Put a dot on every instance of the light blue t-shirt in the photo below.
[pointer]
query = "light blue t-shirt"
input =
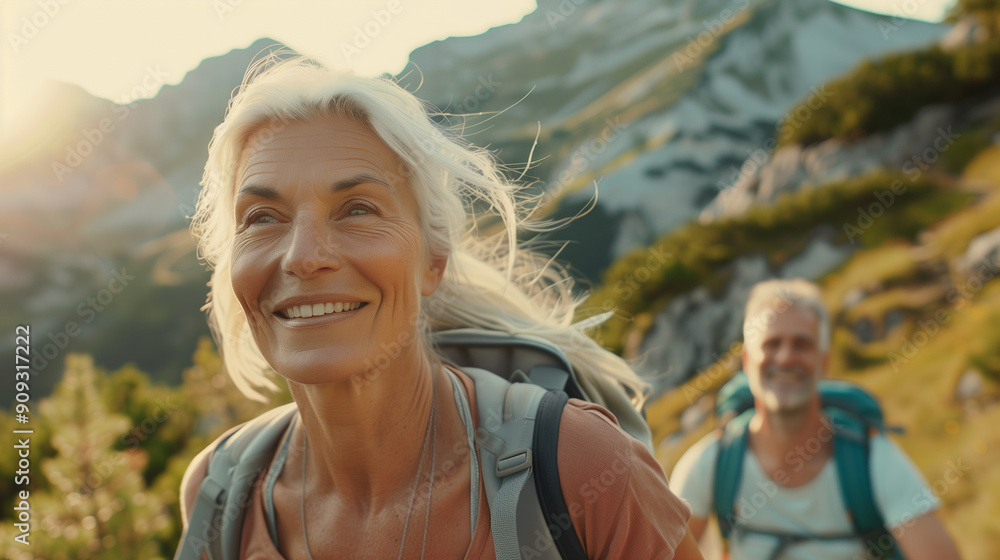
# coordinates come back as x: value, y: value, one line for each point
x: 816, y: 507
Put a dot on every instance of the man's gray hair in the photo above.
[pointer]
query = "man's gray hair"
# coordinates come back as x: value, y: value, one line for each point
x: 770, y: 298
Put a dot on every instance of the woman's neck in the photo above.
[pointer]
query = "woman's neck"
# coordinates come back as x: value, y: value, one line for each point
x: 366, y: 435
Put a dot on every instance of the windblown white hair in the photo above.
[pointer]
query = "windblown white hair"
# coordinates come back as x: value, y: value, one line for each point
x: 490, y: 281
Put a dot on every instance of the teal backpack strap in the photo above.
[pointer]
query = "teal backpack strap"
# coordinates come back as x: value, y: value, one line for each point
x: 729, y: 471
x: 851, y: 453
x: 216, y: 521
x: 507, y: 418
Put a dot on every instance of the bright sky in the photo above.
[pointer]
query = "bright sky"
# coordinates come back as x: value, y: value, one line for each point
x: 110, y: 47
x: 927, y: 10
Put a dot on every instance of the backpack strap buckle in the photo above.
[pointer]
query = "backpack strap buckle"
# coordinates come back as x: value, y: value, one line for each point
x: 513, y: 462
x: 213, y: 493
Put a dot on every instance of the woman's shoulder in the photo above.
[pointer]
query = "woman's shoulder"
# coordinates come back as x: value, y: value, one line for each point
x: 592, y: 445
x: 615, y: 490
x: 198, y: 468
x: 195, y: 474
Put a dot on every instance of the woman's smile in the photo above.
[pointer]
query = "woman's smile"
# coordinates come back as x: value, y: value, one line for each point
x: 329, y: 262
x: 318, y: 309
x: 318, y: 314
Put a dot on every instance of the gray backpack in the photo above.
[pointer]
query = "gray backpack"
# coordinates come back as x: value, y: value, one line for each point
x: 519, y: 405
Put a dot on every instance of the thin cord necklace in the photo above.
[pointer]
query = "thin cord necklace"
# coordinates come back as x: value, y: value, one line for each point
x: 430, y: 432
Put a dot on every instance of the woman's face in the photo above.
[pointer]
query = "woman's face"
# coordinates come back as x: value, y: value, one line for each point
x: 328, y: 260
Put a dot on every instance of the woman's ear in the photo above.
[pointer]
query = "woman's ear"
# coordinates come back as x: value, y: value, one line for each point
x: 433, y: 273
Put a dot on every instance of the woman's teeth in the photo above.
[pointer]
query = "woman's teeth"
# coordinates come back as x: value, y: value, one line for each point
x: 318, y: 309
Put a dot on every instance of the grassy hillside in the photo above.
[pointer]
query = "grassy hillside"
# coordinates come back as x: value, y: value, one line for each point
x: 881, y: 94
x: 109, y: 449
x: 702, y: 254
x: 948, y: 336
x: 914, y: 320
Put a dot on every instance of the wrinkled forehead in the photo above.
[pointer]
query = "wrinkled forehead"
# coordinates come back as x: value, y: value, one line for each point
x: 326, y: 143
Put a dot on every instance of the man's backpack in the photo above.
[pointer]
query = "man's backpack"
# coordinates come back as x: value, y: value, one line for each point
x: 854, y: 414
x: 520, y: 394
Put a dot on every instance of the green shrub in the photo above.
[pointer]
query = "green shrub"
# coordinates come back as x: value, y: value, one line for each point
x: 700, y: 254
x: 882, y: 94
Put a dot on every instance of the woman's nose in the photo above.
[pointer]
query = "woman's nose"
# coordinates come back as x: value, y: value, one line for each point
x: 312, y: 248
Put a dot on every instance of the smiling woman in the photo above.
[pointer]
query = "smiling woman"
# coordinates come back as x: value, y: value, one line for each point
x: 328, y: 263
x: 334, y: 213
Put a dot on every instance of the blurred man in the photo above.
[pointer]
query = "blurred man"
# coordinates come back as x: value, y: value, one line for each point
x: 788, y: 499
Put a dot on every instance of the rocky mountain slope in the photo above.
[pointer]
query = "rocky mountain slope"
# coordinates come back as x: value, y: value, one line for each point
x: 657, y: 102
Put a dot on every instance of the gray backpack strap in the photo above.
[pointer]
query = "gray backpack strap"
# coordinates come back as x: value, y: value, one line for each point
x: 519, y: 357
x: 507, y: 414
x: 237, y: 463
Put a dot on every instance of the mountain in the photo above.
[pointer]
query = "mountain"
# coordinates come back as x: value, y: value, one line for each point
x: 103, y: 193
x: 655, y: 101
x: 660, y: 103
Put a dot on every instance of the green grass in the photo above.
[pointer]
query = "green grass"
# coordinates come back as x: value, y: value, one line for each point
x: 916, y: 384
x: 702, y: 254
x: 868, y: 99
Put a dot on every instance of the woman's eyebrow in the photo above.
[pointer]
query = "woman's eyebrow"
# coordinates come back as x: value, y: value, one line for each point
x: 358, y: 180
x: 259, y: 190
x: 342, y: 185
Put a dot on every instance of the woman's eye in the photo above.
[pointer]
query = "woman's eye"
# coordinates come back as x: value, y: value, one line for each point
x: 261, y: 218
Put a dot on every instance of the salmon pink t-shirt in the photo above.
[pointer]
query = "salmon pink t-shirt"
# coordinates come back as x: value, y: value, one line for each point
x: 614, y: 489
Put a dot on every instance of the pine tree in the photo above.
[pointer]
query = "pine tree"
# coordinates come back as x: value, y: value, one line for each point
x: 96, y: 504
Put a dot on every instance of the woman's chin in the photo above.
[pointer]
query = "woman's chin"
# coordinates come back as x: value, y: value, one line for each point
x: 318, y: 372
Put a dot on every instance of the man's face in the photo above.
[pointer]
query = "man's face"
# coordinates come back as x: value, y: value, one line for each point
x: 782, y: 359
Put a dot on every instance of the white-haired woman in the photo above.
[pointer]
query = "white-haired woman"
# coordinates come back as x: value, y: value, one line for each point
x: 333, y: 213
